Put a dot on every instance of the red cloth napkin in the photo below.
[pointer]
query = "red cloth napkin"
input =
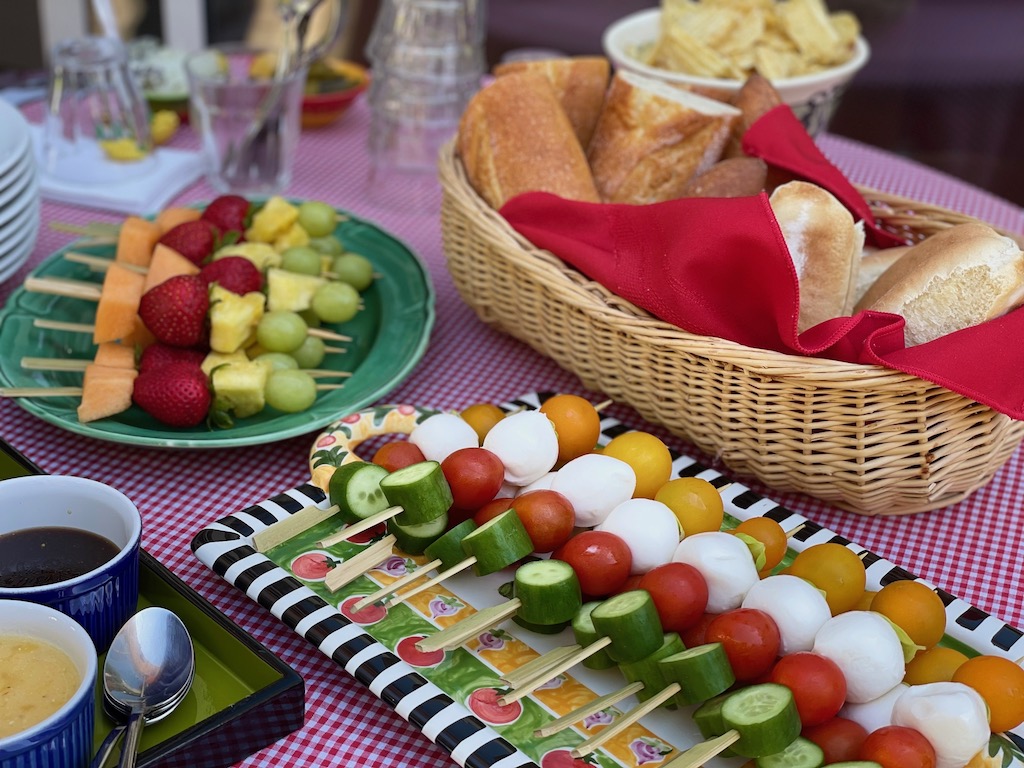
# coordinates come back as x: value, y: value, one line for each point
x: 720, y: 267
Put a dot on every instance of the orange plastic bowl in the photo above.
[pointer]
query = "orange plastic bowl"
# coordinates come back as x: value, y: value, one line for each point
x: 320, y: 109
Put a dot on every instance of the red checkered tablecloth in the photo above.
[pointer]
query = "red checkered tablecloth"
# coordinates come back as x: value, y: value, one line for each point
x: 971, y: 549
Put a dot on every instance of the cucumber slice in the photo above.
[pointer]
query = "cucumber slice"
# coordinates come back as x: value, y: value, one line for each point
x: 631, y: 620
x: 702, y: 672
x: 541, y: 629
x: 549, y: 592
x: 708, y: 719
x: 649, y: 670
x: 448, y: 548
x: 414, y: 539
x: 584, y: 632
x: 765, y: 716
x: 498, y: 543
x: 855, y: 764
x: 420, y: 489
x: 801, y: 753
x: 355, y: 488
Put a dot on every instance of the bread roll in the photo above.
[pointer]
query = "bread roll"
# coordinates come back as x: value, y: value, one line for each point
x: 652, y: 139
x: 754, y: 98
x: 957, y: 278
x: 874, y: 262
x: 734, y: 177
x: 514, y: 137
x: 825, y: 245
x: 580, y: 82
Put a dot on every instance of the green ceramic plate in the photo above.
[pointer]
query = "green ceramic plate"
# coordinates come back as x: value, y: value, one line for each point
x: 389, y: 337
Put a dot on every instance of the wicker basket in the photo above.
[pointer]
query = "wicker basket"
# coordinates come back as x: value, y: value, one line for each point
x: 864, y: 438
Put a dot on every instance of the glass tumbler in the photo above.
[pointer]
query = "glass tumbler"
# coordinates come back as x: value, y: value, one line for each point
x: 249, y: 119
x: 94, y: 108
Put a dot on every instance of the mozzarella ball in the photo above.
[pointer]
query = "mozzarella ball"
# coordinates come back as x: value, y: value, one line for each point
x: 594, y: 485
x: 952, y: 716
x: 442, y: 434
x: 876, y: 713
x: 867, y: 650
x: 527, y: 445
x: 725, y: 563
x: 541, y: 484
x: 796, y: 606
x: 649, y: 529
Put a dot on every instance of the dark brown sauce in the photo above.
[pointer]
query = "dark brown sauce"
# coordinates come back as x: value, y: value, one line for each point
x: 33, y: 557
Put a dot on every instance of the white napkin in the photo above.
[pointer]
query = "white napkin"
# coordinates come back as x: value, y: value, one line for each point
x: 160, y: 179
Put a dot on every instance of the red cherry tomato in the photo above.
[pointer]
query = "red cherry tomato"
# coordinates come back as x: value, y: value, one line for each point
x: 475, y: 476
x: 697, y: 634
x: 751, y: 640
x: 680, y: 594
x: 840, y: 739
x: 397, y: 454
x: 896, y: 746
x: 631, y: 583
x: 491, y: 509
x: 601, y: 560
x: 817, y: 683
x: 547, y: 516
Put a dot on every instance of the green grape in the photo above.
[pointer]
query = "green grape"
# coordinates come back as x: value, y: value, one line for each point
x: 312, y: 318
x: 310, y: 354
x: 336, y: 302
x: 290, y: 391
x: 328, y: 246
x: 318, y: 219
x: 281, y: 331
x: 302, y: 259
x: 353, y: 269
x: 279, y: 360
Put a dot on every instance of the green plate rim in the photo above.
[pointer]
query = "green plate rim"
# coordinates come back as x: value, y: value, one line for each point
x: 328, y: 408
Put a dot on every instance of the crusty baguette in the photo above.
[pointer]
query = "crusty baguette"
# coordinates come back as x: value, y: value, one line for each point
x: 514, y: 137
x: 825, y: 244
x: 652, y: 139
x: 873, y: 263
x: 954, y: 279
x: 733, y: 177
x: 581, y: 83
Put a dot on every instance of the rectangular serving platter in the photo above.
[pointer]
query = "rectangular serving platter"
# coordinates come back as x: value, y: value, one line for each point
x: 243, y: 697
x: 438, y: 694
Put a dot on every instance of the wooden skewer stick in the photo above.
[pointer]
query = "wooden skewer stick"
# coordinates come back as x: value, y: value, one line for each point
x: 40, y: 391
x: 365, y: 524
x: 322, y: 373
x: 100, y: 263
x: 457, y: 568
x: 701, y: 753
x: 96, y: 230
x: 293, y: 525
x: 58, y: 286
x: 326, y: 387
x: 394, y: 586
x: 602, y: 405
x: 542, y: 676
x: 54, y: 364
x: 323, y: 333
x: 359, y: 564
x: 591, y: 708
x: 594, y: 742
x: 460, y: 632
x: 60, y: 325
x: 527, y: 671
x: 335, y: 350
x: 794, y: 531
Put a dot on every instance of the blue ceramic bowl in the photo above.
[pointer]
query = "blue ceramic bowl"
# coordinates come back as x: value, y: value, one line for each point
x: 102, y: 599
x: 64, y: 739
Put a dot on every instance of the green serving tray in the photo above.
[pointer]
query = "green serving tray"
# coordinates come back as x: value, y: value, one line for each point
x: 243, y: 697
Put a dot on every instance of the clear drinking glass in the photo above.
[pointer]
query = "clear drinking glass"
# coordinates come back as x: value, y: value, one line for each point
x: 249, y: 120
x: 92, y: 99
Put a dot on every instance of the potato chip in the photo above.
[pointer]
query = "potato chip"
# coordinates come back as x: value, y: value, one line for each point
x: 807, y: 24
x: 847, y: 27
x: 681, y: 51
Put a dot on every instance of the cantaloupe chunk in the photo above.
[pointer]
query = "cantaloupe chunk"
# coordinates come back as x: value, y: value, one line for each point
x: 105, y: 392
x: 110, y: 354
x: 140, y: 337
x: 169, y: 218
x: 136, y: 241
x: 118, y: 307
x: 167, y: 263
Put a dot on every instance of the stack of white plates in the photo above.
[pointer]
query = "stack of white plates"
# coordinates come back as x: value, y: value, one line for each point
x: 19, y: 191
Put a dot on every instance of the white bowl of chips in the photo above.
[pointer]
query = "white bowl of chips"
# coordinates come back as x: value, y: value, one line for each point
x: 808, y: 54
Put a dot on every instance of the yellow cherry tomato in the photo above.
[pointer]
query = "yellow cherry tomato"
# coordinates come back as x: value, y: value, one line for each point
x: 649, y: 457
x: 481, y: 417
x: 915, y: 608
x: 835, y: 570
x: 577, y: 425
x: 769, y: 533
x: 695, y: 502
x: 1001, y: 684
x: 935, y: 665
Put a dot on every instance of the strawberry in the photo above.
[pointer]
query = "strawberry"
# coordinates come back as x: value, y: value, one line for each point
x: 175, y: 311
x: 158, y: 355
x: 176, y: 394
x: 195, y: 240
x: 229, y: 213
x: 235, y: 273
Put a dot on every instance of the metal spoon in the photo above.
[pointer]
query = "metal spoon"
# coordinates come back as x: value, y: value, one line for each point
x: 148, y: 670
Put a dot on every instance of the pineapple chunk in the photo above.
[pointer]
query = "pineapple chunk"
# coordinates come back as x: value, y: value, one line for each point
x: 291, y: 291
x: 238, y: 387
x: 216, y: 359
x: 263, y: 255
x: 272, y: 220
x: 233, y: 318
x: 291, y: 237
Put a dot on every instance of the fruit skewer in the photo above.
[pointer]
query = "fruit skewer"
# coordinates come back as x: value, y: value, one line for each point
x: 80, y: 364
